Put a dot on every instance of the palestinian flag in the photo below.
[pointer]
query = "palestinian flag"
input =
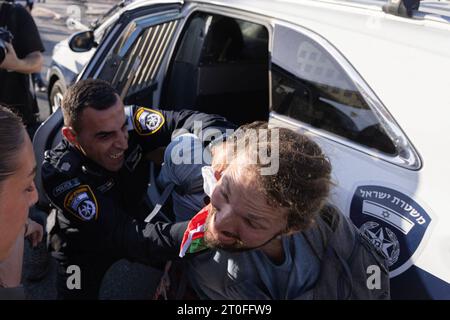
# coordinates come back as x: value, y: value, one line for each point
x: 193, y: 236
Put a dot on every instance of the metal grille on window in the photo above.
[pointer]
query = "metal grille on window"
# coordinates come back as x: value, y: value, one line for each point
x: 139, y: 67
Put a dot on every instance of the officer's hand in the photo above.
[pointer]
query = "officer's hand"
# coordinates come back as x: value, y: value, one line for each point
x: 11, y: 62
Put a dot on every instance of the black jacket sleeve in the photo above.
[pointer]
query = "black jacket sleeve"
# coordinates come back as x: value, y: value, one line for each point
x: 91, y: 222
x: 156, y: 128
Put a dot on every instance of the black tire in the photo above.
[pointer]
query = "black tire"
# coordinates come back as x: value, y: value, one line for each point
x: 56, y: 94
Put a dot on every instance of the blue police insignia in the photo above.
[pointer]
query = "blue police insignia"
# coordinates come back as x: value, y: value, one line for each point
x: 82, y: 203
x: 392, y: 221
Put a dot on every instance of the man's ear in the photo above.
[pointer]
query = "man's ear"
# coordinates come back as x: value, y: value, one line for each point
x: 70, y: 135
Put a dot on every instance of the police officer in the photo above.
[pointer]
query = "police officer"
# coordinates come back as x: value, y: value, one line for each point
x: 97, y: 178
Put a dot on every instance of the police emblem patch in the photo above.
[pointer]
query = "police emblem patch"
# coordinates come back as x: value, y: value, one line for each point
x: 383, y: 239
x: 147, y: 121
x: 82, y: 203
x: 392, y: 221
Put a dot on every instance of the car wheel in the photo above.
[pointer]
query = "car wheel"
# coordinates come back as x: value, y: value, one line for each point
x: 56, y: 95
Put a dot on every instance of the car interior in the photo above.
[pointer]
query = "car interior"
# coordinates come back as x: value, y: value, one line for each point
x: 221, y: 67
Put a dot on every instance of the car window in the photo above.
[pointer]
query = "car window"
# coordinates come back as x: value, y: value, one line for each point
x: 233, y: 40
x: 134, y: 60
x: 220, y: 66
x: 309, y: 85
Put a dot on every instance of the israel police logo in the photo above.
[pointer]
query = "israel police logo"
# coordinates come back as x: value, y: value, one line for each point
x: 392, y: 221
x: 86, y: 209
x: 152, y: 121
x: 147, y: 121
x: 383, y: 239
x: 81, y: 202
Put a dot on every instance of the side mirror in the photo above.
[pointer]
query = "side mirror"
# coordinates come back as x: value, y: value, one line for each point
x: 82, y: 41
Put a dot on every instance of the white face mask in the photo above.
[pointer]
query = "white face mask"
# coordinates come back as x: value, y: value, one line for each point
x: 209, y: 180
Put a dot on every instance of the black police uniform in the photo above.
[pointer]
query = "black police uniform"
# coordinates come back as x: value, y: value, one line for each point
x: 99, y: 215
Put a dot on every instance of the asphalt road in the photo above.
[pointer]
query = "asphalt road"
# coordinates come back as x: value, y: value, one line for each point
x: 124, y: 280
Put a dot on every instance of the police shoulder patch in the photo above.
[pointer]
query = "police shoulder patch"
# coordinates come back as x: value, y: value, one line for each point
x: 147, y: 121
x: 82, y: 203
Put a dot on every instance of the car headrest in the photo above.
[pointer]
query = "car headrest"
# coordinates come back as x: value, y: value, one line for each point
x: 225, y: 40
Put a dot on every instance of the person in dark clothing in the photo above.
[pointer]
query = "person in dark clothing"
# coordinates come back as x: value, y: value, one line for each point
x: 39, y: 84
x: 23, y: 57
x: 97, y: 179
x: 28, y: 4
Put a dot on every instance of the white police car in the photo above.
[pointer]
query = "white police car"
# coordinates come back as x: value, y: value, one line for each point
x: 371, y: 87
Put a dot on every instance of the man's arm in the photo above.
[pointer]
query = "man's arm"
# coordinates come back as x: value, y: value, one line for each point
x: 156, y: 128
x: 95, y: 223
x: 149, y: 243
x: 187, y: 119
x: 30, y: 64
x: 24, y: 54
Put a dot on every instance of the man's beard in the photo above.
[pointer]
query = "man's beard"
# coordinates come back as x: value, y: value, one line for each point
x: 237, y: 246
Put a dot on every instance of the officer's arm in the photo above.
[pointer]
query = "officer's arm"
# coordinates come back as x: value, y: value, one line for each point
x: 103, y: 227
x: 195, y: 122
x: 155, y: 128
x: 147, y: 243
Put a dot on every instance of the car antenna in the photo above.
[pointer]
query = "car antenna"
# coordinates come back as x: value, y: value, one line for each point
x: 402, y: 8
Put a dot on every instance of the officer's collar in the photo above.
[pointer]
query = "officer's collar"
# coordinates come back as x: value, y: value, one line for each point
x: 88, y: 166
